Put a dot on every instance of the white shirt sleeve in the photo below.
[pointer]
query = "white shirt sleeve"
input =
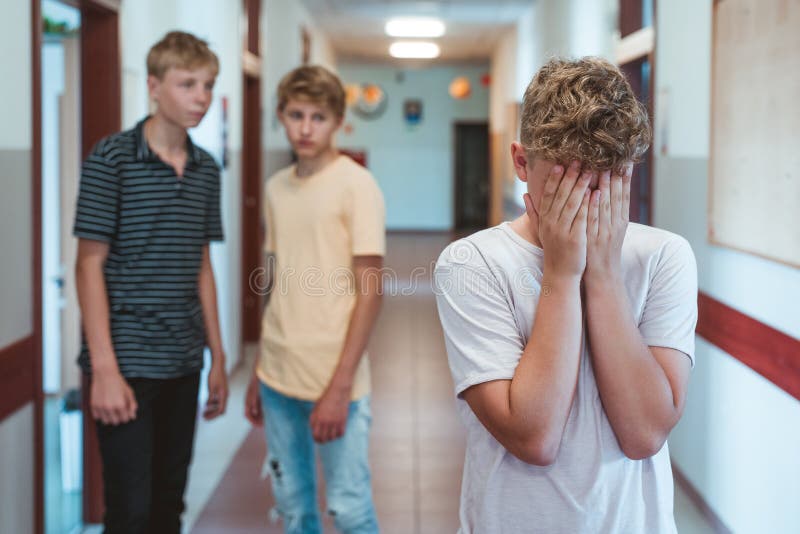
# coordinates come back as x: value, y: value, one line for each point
x: 481, y: 335
x: 670, y: 311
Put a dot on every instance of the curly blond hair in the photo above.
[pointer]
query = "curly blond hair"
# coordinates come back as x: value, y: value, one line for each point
x: 584, y: 110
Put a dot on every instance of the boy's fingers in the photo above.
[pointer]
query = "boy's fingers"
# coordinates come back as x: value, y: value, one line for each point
x: 132, y: 405
x: 550, y: 188
x: 593, y: 215
x: 113, y: 418
x: 565, y: 187
x: 626, y: 192
x: 579, y: 223
x: 605, y: 201
x: 616, y: 197
x: 575, y: 199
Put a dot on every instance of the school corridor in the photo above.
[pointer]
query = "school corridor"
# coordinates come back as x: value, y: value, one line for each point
x: 417, y: 443
x: 434, y: 93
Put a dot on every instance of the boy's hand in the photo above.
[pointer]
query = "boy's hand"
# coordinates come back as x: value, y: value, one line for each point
x: 112, y: 399
x: 562, y: 219
x: 608, y: 220
x: 329, y: 417
x: 217, y: 390
x: 252, y: 403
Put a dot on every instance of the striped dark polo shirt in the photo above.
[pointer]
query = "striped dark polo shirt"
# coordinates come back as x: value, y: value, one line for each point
x: 156, y: 225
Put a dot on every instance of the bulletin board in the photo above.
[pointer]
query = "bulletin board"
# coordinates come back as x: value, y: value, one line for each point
x: 754, y: 163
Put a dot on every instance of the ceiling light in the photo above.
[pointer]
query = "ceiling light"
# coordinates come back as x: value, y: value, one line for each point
x: 414, y: 49
x: 414, y: 27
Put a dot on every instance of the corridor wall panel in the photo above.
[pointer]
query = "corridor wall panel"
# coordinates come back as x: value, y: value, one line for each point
x: 15, y: 160
x: 739, y: 434
x: 16, y: 465
x: 754, y: 185
x: 16, y: 238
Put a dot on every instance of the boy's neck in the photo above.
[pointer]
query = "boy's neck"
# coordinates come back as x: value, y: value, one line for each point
x: 525, y: 229
x: 164, y: 136
x: 308, y: 166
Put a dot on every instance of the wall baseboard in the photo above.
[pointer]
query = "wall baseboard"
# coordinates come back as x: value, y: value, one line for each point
x: 706, y: 511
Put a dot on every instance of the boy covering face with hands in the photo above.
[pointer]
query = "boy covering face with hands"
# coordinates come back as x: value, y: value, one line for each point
x: 570, y: 331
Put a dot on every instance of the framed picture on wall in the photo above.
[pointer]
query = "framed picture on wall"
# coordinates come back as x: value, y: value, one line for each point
x: 412, y: 111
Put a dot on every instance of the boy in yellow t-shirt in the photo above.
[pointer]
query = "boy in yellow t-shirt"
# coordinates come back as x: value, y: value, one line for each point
x: 325, y: 232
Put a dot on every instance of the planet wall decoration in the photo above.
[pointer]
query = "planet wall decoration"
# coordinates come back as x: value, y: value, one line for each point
x: 368, y: 100
x: 460, y: 88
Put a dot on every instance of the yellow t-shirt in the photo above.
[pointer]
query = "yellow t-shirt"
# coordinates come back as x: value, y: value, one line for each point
x: 315, y: 225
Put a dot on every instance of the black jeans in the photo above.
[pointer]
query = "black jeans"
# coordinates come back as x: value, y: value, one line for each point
x: 146, y: 461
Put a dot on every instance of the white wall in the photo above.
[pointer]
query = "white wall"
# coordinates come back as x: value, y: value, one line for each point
x: 16, y: 464
x: 142, y: 24
x: 16, y: 431
x: 282, y: 51
x: 15, y: 70
x: 503, y: 90
x: 739, y: 438
x: 549, y: 28
x: 15, y: 160
x: 414, y: 164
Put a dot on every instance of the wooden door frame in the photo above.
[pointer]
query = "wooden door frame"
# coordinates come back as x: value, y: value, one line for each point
x: 252, y: 223
x: 36, y: 211
x: 101, y: 89
x: 101, y: 115
x: 630, y: 21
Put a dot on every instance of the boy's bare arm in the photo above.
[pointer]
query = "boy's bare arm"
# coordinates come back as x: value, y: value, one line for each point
x: 252, y: 399
x: 329, y: 416
x: 528, y: 413
x: 643, y: 388
x: 112, y: 400
x: 217, y: 379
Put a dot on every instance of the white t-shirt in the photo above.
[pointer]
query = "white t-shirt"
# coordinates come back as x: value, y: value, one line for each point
x: 487, y: 288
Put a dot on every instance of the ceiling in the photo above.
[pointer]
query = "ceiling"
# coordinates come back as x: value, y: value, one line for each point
x: 355, y: 27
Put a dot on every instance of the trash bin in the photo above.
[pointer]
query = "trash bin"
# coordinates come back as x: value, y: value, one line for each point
x: 71, y: 430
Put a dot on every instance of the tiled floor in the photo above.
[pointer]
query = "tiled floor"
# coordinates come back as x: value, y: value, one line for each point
x: 417, y: 444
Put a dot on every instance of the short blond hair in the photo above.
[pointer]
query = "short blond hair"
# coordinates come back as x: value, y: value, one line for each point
x: 313, y: 84
x: 180, y: 50
x: 584, y: 110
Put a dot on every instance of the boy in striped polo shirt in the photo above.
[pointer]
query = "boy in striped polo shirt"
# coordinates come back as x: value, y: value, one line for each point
x: 148, y: 206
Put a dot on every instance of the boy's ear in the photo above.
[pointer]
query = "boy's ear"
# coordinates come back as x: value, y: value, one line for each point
x: 153, y: 85
x: 520, y: 160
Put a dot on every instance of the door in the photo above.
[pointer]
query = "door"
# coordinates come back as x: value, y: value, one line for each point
x: 471, y: 175
x: 60, y: 164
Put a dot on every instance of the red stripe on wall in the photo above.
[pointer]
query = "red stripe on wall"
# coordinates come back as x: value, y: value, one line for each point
x: 771, y: 353
x: 16, y: 376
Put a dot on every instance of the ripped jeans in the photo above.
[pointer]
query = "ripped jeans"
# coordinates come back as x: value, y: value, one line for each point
x: 292, y: 467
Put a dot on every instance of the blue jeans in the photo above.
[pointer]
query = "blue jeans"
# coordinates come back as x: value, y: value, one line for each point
x: 292, y: 467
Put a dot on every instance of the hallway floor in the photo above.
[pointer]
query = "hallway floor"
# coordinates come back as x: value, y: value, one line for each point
x: 417, y: 442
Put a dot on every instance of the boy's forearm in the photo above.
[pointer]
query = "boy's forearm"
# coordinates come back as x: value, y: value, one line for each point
x: 266, y: 285
x: 93, y: 301
x: 634, y: 389
x: 543, y: 386
x: 362, y: 320
x: 208, y: 301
